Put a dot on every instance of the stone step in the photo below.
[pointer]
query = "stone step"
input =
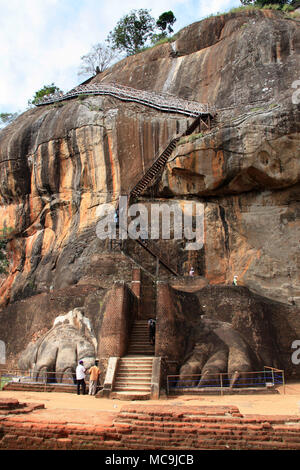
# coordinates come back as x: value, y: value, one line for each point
x: 139, y: 334
x: 136, y: 351
x: 132, y: 382
x: 142, y: 335
x: 132, y: 388
x: 133, y: 367
x: 140, y: 351
x: 137, y: 363
x: 140, y: 340
x: 136, y: 359
x: 142, y: 327
x: 136, y: 368
x: 141, y: 343
x: 140, y: 330
x: 141, y: 348
x: 131, y: 395
x: 135, y: 375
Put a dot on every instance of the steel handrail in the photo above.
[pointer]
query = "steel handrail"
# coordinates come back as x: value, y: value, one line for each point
x: 164, y: 102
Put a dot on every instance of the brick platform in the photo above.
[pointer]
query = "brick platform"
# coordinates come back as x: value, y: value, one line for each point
x: 140, y: 427
x: 10, y: 406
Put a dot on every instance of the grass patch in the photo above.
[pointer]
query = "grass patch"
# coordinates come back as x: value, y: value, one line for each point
x: 293, y: 14
x: 58, y: 104
x: 95, y: 108
x: 272, y: 6
x: 234, y: 10
x: 164, y: 40
x: 82, y: 96
x: 191, y: 138
x: 159, y: 42
x: 284, y: 8
x: 255, y: 110
x: 3, y: 382
x: 243, y: 8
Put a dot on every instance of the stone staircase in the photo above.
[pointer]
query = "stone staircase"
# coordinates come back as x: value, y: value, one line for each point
x: 139, y: 340
x: 134, y: 371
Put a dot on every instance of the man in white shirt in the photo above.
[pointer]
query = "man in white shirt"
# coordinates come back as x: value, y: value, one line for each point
x: 80, y: 378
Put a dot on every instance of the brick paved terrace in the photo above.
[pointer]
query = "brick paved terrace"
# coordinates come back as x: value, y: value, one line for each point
x: 37, y: 420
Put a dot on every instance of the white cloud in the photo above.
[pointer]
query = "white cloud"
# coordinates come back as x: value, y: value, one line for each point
x: 41, y: 41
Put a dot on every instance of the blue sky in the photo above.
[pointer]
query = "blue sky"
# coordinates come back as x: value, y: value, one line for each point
x: 42, y: 41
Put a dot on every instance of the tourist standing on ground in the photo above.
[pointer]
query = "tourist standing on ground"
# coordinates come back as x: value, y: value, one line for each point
x: 80, y: 377
x: 94, y: 378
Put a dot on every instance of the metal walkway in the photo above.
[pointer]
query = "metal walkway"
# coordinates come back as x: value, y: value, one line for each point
x: 161, y: 101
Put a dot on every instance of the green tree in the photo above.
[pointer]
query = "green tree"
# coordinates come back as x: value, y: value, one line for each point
x: 46, y: 90
x: 132, y: 31
x: 165, y: 22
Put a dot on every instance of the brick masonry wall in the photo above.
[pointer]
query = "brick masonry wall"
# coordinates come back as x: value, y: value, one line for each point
x: 157, y: 427
x: 119, y: 314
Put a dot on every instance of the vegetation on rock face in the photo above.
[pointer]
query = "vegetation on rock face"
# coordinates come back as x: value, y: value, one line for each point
x: 7, y: 118
x: 164, y: 23
x: 3, y: 251
x: 46, y: 90
x: 134, y: 30
x: 272, y: 4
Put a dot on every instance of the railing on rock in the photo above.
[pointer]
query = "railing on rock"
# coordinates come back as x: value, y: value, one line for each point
x: 161, y: 101
x: 269, y: 378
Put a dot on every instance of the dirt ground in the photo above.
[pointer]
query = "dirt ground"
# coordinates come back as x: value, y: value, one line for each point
x: 88, y: 409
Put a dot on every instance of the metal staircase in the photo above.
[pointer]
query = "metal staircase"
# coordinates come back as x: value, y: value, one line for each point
x: 154, y: 169
x: 203, y: 121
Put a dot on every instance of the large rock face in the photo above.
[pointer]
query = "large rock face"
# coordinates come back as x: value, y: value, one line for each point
x: 233, y: 60
x: 60, y: 162
x: 247, y: 172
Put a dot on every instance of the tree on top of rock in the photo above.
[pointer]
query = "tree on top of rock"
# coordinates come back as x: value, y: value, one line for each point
x: 165, y: 23
x: 97, y: 60
x: 132, y: 31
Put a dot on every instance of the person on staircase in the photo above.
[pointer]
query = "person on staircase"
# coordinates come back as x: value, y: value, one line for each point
x: 151, y: 327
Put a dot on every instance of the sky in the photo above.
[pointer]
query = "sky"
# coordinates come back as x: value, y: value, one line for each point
x: 42, y: 41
